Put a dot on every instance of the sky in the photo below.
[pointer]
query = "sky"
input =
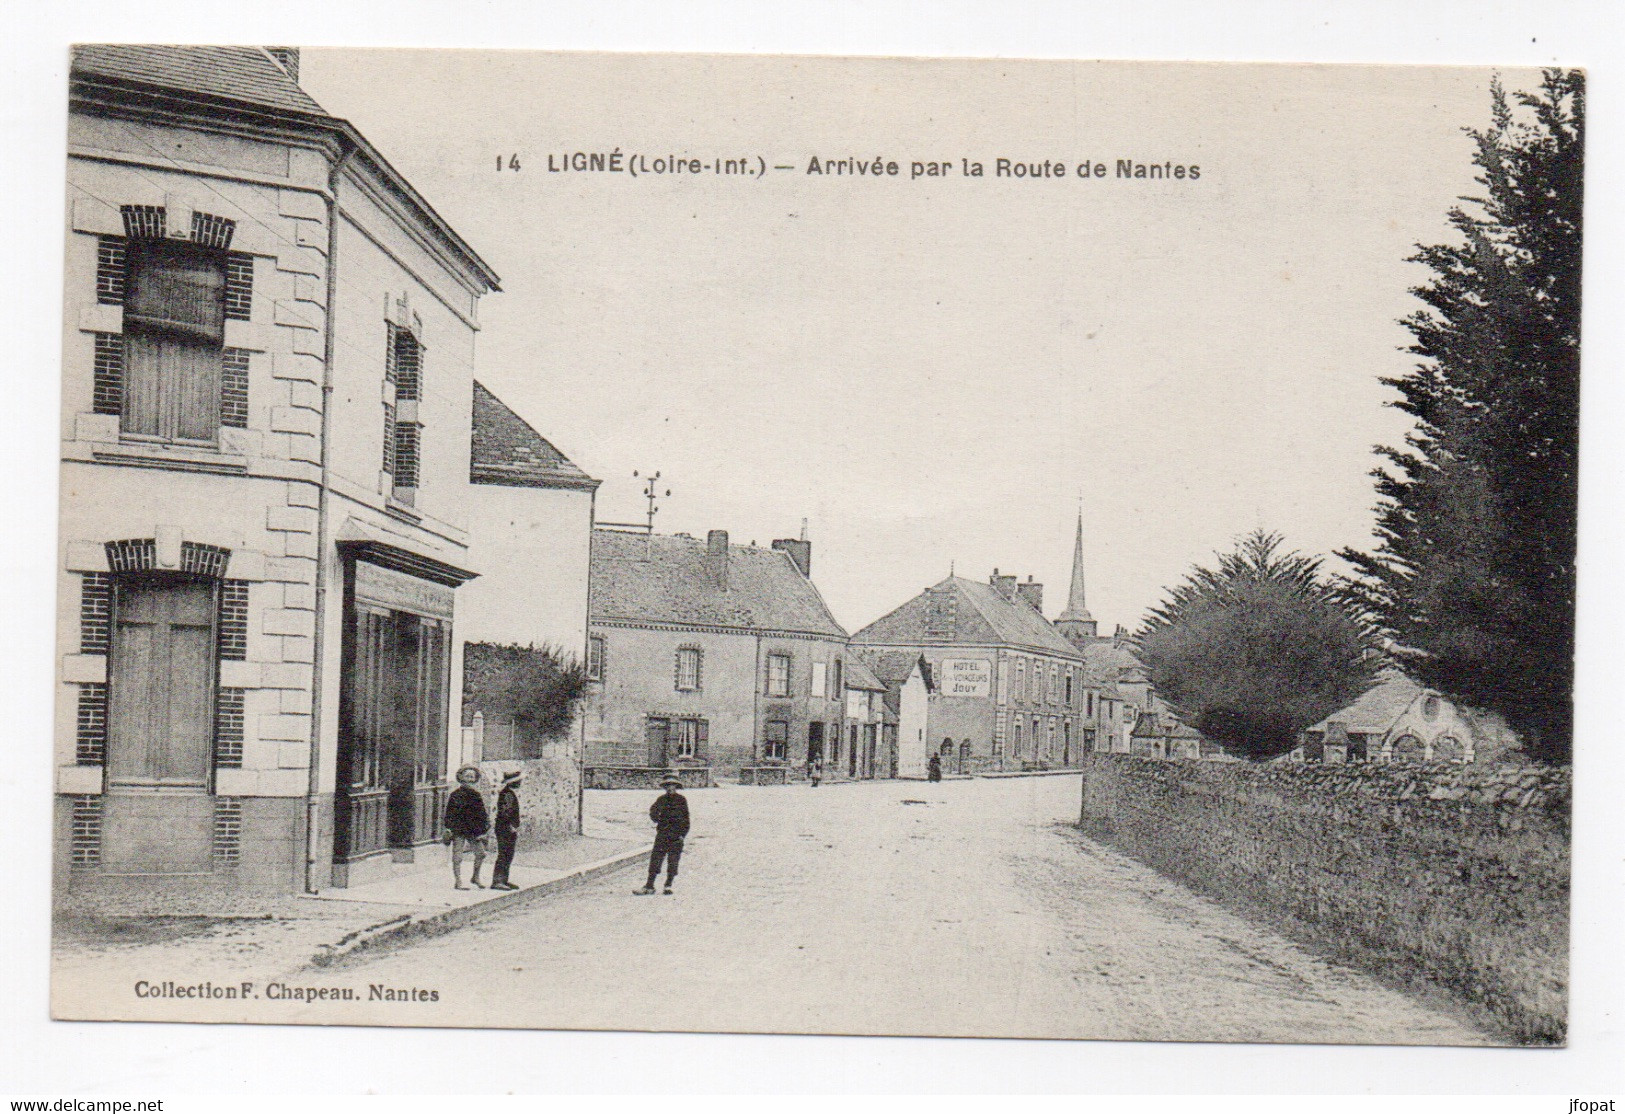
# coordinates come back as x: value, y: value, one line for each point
x: 940, y: 372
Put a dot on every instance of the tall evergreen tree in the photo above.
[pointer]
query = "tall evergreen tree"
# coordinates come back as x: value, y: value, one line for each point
x: 1473, y: 576
x: 1252, y: 652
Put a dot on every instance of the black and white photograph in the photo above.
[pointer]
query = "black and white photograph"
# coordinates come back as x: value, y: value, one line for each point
x: 818, y: 545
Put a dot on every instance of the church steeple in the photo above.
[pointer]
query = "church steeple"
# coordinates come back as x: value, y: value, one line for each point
x: 1076, y: 622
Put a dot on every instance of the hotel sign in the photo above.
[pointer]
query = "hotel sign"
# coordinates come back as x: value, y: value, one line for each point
x: 969, y: 677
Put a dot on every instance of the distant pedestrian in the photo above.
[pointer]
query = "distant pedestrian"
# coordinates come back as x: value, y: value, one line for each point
x: 815, y: 771
x: 465, y: 825
x: 507, y: 830
x: 670, y: 816
x: 934, y: 768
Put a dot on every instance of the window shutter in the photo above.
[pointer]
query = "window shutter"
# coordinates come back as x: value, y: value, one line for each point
x: 389, y: 439
x: 389, y: 353
x: 702, y: 735
x: 408, y: 447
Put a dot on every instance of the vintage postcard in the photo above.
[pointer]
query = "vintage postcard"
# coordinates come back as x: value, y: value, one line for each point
x: 817, y: 545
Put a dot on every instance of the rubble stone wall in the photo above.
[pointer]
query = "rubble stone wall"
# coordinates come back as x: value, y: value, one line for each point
x: 1449, y: 877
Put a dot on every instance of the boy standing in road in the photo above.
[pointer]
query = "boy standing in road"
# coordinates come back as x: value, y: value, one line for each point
x: 507, y: 830
x: 670, y: 816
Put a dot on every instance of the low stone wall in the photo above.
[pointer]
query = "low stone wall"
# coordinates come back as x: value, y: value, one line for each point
x: 1443, y: 876
x: 646, y: 777
x: 549, y: 795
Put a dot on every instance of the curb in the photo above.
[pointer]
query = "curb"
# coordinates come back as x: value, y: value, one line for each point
x: 1034, y: 773
x: 423, y: 926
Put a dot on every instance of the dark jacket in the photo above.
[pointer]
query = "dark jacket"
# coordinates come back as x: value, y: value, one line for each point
x: 670, y: 814
x: 507, y: 811
x: 465, y: 813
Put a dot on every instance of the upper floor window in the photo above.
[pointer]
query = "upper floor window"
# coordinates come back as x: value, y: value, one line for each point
x: 174, y: 340
x: 1068, y: 700
x: 840, y: 682
x: 595, y: 658
x: 688, y: 669
x: 1021, y: 679
x: 1054, y: 682
x: 820, y: 679
x: 778, y: 674
x: 403, y: 425
x: 168, y: 375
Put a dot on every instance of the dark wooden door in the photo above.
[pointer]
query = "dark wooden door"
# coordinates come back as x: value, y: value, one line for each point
x: 361, y: 821
x: 658, y: 735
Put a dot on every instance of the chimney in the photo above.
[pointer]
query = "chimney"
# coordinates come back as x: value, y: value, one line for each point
x: 716, y: 556
x: 1004, y: 585
x: 1033, y: 594
x: 800, y: 551
x: 287, y: 57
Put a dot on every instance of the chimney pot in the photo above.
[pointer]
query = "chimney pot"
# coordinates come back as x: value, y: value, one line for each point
x: 716, y: 547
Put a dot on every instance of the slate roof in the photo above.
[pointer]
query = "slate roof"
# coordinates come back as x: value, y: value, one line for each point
x: 982, y: 617
x: 860, y: 676
x: 508, y: 451
x: 665, y: 579
x: 237, y: 73
x: 894, y: 666
x: 1376, y: 711
x: 234, y: 81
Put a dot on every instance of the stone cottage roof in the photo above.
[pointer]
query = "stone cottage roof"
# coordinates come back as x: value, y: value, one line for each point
x: 508, y: 451
x: 238, y: 73
x: 1376, y: 711
x: 658, y: 578
x: 981, y: 617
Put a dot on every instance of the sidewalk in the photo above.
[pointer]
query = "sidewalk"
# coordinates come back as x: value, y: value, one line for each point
x: 424, y: 902
x: 279, y: 933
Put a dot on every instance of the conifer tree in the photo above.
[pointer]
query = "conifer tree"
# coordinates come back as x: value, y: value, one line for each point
x: 1473, y: 575
x: 1252, y: 652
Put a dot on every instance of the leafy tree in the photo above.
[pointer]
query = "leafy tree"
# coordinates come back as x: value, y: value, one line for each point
x: 539, y: 687
x: 1473, y: 574
x: 1256, y: 650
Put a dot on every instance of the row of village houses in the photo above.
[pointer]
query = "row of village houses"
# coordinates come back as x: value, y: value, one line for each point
x: 289, y: 507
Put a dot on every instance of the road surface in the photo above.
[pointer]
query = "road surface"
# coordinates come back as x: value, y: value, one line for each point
x: 968, y: 908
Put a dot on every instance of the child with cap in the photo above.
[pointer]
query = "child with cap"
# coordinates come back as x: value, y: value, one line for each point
x: 507, y: 830
x: 670, y: 816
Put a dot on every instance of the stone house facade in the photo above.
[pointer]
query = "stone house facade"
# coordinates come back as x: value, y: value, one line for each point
x: 868, y: 750
x: 267, y: 382
x: 1010, y: 692
x: 1398, y: 720
x: 714, y: 660
x: 907, y: 678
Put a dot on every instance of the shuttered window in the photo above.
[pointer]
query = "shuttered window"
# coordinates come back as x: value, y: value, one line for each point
x: 174, y: 331
x: 403, y: 431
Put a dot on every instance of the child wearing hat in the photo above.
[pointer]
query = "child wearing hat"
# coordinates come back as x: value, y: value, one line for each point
x: 670, y: 816
x: 465, y: 824
x: 507, y: 830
